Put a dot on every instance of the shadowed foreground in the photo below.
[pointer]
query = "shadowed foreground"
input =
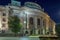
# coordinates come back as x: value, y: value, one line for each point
x: 17, y: 38
x: 27, y: 38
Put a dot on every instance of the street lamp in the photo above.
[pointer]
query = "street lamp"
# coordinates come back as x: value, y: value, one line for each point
x: 26, y: 15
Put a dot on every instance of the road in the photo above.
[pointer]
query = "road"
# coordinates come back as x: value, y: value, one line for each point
x: 18, y: 38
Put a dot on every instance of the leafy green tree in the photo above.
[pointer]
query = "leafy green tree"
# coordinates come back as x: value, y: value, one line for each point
x: 14, y: 24
x: 58, y: 29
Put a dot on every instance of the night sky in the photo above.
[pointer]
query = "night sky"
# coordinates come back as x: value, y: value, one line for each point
x: 52, y: 7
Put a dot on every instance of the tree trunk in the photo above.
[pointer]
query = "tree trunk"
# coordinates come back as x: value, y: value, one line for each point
x: 15, y: 34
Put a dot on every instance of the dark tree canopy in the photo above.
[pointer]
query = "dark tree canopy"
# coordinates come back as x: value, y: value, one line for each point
x: 14, y: 24
x: 58, y: 29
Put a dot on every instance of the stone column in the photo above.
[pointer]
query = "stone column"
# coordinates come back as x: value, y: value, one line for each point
x: 28, y: 24
x: 40, y: 25
x: 54, y: 29
x: 24, y: 24
x: 42, y: 28
x: 0, y: 21
x: 47, y: 25
x: 43, y: 22
x: 35, y: 23
x: 27, y: 21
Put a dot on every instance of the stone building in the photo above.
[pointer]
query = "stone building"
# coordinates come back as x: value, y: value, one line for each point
x: 32, y: 16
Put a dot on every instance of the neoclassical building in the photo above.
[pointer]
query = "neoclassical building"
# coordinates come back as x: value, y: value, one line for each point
x: 32, y: 16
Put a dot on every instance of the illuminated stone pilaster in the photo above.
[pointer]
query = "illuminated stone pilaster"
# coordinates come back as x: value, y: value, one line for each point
x: 54, y: 32
x: 47, y: 25
x: 0, y: 22
x: 35, y: 22
x: 42, y: 28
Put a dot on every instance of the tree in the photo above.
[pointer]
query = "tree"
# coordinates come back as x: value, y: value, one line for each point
x: 58, y: 30
x: 14, y: 24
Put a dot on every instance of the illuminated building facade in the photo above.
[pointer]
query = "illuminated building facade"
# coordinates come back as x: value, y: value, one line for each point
x: 32, y: 16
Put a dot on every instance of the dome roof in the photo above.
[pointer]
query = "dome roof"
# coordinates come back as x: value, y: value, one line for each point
x: 32, y: 5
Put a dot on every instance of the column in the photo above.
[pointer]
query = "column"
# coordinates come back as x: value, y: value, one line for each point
x: 42, y: 31
x: 24, y: 24
x: 35, y: 23
x: 44, y: 26
x: 54, y: 29
x: 7, y: 15
x: 27, y: 23
x: 47, y: 26
x: 41, y: 26
x: 0, y: 21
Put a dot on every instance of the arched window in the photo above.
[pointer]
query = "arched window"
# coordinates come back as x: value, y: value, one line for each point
x: 26, y: 32
x: 4, y: 19
x: 3, y: 25
x: 38, y: 31
x: 31, y: 32
x: 30, y: 20
x: 4, y: 14
x: 44, y: 23
x: 38, y: 21
x: 3, y: 31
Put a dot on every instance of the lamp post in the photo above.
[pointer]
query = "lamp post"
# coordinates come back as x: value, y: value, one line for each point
x: 25, y: 22
x: 26, y: 13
